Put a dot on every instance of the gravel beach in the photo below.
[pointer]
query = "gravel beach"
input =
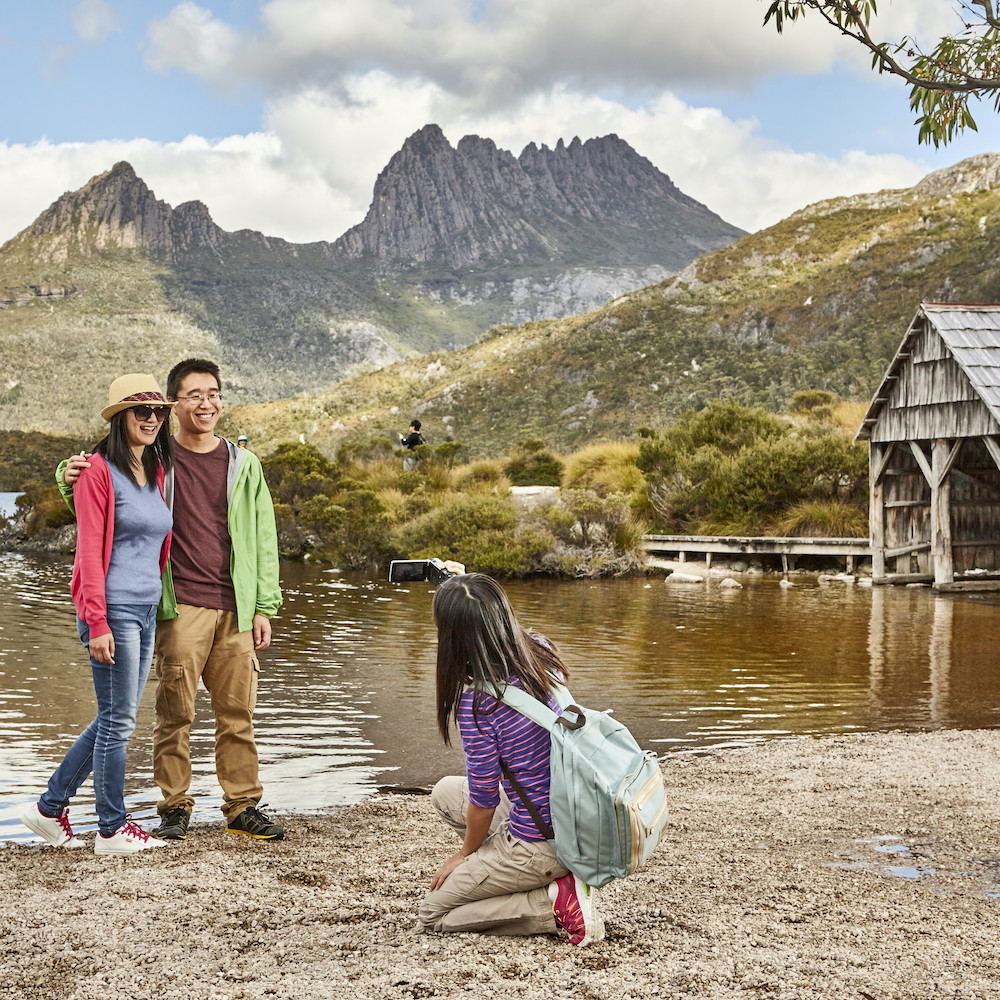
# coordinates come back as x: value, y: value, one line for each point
x: 863, y: 866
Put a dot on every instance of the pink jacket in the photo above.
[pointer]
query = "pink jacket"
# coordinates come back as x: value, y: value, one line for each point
x: 94, y: 500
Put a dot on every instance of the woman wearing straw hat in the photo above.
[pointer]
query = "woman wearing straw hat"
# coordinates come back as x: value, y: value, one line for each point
x: 123, y: 539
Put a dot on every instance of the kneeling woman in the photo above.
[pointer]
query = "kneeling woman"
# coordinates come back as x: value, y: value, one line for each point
x: 123, y: 539
x: 505, y: 878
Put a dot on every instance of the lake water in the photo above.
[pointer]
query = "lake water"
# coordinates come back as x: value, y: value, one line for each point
x: 7, y: 504
x: 346, y: 701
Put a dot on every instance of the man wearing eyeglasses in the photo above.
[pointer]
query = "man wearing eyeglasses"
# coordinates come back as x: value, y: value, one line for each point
x: 220, y: 590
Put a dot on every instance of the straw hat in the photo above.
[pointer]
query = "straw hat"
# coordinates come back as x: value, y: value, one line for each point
x: 128, y: 390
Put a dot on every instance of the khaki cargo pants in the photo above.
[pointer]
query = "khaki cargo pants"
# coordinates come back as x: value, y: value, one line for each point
x: 500, y: 889
x: 205, y: 644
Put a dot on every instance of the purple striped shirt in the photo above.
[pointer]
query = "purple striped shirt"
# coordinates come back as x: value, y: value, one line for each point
x: 524, y: 747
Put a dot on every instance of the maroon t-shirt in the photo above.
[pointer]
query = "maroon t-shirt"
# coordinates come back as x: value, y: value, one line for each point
x: 201, y: 547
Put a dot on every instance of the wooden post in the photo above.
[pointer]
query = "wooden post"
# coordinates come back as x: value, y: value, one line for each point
x: 941, y: 551
x: 876, y: 511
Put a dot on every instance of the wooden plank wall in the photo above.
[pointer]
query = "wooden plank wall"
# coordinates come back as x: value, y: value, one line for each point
x: 931, y: 397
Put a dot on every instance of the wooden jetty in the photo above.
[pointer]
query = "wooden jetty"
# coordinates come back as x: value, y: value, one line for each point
x: 704, y: 547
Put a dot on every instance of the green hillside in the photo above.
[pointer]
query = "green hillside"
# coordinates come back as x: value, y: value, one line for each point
x: 820, y: 300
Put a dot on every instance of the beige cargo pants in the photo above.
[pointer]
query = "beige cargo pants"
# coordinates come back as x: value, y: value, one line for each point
x: 500, y: 889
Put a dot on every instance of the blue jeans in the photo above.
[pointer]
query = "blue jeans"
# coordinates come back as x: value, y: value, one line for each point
x: 101, y: 746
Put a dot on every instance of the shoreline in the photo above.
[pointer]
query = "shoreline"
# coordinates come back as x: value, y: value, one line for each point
x: 845, y: 866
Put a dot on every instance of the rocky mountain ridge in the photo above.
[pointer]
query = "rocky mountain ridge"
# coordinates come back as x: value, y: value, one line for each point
x: 586, y: 203
x: 457, y: 240
x: 819, y: 301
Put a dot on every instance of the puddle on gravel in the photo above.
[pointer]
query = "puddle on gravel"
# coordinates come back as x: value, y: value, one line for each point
x: 888, y: 844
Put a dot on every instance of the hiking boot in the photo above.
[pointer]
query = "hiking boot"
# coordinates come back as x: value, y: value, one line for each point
x: 127, y: 839
x: 575, y: 910
x: 173, y: 825
x: 253, y: 823
x: 55, y: 831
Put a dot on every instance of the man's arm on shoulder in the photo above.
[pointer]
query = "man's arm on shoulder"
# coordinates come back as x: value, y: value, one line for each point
x: 67, y: 474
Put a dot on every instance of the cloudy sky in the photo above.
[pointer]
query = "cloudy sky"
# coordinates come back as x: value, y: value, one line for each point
x: 279, y: 114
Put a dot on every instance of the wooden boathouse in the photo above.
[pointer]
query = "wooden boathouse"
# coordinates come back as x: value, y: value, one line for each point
x: 934, y: 454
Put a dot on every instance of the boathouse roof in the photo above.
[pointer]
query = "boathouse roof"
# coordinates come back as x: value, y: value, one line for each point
x: 944, y: 380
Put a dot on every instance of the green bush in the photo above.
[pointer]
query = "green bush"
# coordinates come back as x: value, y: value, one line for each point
x: 604, y: 469
x: 356, y: 529
x: 291, y: 539
x: 532, y: 464
x: 480, y: 531
x: 726, y: 427
x: 811, y: 399
x: 295, y: 472
x: 43, y: 509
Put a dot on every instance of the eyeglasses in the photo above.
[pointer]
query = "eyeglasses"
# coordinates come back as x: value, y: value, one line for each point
x: 145, y: 412
x: 198, y: 397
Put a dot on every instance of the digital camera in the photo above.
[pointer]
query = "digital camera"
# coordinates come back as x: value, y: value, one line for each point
x: 416, y: 570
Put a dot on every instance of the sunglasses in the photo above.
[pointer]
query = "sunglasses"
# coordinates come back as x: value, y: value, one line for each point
x: 145, y: 412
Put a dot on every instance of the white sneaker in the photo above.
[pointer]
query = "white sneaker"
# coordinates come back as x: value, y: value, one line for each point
x: 129, y: 838
x: 56, y: 832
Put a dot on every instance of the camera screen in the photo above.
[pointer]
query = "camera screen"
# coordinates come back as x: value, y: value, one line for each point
x: 407, y: 570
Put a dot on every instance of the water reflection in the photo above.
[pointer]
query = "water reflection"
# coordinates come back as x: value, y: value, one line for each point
x: 346, y: 694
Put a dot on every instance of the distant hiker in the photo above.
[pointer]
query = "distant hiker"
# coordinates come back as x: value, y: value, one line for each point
x: 410, y: 442
x: 123, y: 540
x: 219, y: 593
x: 505, y: 878
x: 243, y: 441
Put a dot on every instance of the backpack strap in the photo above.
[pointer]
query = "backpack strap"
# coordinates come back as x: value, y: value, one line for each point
x: 543, y: 828
x: 538, y: 712
x: 530, y: 707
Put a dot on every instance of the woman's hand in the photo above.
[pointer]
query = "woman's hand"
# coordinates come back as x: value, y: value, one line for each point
x: 102, y: 648
x: 446, y: 869
x: 477, y: 829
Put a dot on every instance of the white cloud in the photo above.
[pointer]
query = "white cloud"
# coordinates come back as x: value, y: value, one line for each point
x: 96, y: 20
x: 192, y: 39
x: 310, y: 175
x: 513, y: 47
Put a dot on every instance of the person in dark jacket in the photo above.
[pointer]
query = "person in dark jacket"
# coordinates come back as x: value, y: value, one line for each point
x: 410, y: 443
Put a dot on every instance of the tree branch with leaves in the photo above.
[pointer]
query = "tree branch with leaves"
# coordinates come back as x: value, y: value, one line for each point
x: 963, y: 65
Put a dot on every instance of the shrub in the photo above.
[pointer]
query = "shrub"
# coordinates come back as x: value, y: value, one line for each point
x: 486, y: 476
x: 810, y: 399
x: 291, y: 538
x: 448, y: 452
x: 295, y: 472
x: 532, y: 464
x: 480, y: 531
x: 725, y: 426
x: 43, y: 508
x: 357, y: 529
x: 604, y: 469
x: 824, y: 519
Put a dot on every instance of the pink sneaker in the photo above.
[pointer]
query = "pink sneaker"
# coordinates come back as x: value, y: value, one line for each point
x: 575, y: 910
x: 127, y: 839
x: 55, y: 831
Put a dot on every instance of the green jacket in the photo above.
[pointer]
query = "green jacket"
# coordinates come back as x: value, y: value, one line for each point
x: 253, y: 564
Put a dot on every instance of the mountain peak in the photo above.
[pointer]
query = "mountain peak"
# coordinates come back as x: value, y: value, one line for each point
x: 475, y: 206
x: 117, y: 209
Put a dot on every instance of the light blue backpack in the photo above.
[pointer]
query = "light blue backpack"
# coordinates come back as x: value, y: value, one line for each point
x: 606, y: 796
